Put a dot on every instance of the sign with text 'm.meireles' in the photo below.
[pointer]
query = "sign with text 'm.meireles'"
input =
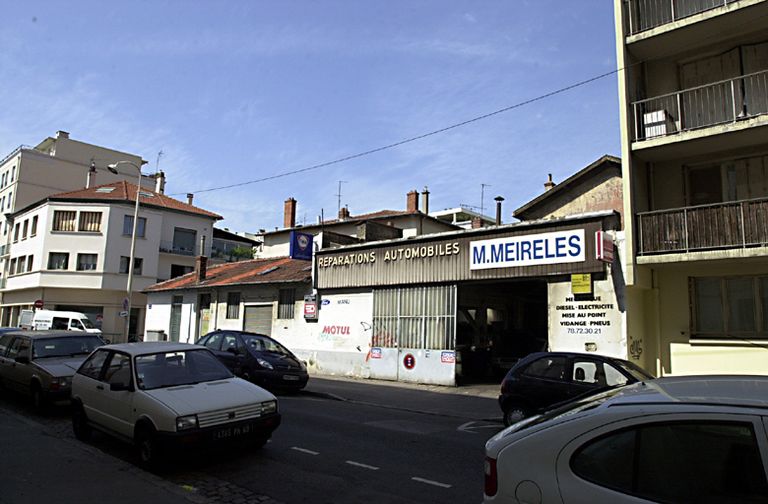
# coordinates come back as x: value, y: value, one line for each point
x: 528, y: 250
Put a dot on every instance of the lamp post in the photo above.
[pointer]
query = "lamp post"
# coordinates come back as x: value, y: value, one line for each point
x: 113, y: 168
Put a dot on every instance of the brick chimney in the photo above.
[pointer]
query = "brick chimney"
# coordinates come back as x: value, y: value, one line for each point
x: 289, y: 213
x: 190, y: 198
x: 498, y: 200
x: 425, y: 200
x: 549, y: 184
x: 343, y: 213
x: 413, y: 202
x: 201, y: 268
x: 477, y: 222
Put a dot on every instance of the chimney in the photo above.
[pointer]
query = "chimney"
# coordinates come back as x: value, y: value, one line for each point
x: 425, y: 200
x: 549, y: 184
x: 413, y: 202
x: 201, y: 268
x: 190, y: 198
x: 160, y: 182
x: 498, y: 200
x: 289, y: 213
x: 62, y: 134
x: 344, y: 213
x: 477, y: 222
x: 91, y: 177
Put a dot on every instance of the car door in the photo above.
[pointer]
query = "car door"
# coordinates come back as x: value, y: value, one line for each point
x: 5, y: 362
x: 667, y: 458
x: 115, y: 407
x: 86, y: 383
x: 18, y: 375
x: 544, y: 382
x: 232, y: 352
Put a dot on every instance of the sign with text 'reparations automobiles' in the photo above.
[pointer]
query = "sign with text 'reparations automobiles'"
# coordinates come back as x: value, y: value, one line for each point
x: 528, y: 250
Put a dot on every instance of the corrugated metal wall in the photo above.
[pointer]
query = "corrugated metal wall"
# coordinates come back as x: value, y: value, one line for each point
x: 415, y: 317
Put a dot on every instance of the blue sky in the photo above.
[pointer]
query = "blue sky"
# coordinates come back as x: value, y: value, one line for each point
x: 234, y: 91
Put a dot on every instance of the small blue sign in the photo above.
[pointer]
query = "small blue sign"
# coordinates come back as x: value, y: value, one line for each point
x: 301, y: 246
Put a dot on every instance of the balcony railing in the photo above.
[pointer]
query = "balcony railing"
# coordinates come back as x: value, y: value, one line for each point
x: 175, y: 248
x: 646, y: 14
x: 718, y: 103
x: 736, y: 224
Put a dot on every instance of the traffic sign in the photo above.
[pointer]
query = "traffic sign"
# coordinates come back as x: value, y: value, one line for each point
x: 409, y: 361
x: 38, y: 303
x: 124, y: 313
x: 125, y: 304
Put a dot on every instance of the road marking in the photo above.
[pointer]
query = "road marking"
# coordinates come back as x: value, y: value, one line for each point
x: 430, y: 482
x: 470, y: 427
x: 304, y: 450
x: 364, y: 466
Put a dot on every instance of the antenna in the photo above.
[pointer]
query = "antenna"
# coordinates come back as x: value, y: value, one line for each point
x: 482, y: 197
x: 339, y: 194
x: 157, y: 163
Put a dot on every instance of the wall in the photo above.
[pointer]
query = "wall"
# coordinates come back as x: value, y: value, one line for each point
x: 158, y: 315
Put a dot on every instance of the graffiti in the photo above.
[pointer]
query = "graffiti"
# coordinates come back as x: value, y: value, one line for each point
x: 384, y: 339
x: 636, y: 349
x: 366, y: 326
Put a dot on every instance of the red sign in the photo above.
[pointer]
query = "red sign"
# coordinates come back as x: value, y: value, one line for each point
x: 39, y: 303
x: 604, y: 246
x: 409, y: 361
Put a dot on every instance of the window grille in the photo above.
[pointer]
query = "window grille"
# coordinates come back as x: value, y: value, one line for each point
x: 64, y: 220
x: 286, y: 303
x: 90, y: 222
x: 417, y: 317
x: 233, y: 305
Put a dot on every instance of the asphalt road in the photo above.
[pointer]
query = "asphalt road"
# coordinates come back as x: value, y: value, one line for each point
x: 384, y: 449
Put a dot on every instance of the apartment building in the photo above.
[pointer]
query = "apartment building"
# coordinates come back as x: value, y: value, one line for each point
x: 58, y: 164
x: 693, y: 95
x: 72, y: 252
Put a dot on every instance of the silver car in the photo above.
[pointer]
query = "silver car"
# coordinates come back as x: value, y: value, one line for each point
x: 672, y: 440
x: 41, y: 363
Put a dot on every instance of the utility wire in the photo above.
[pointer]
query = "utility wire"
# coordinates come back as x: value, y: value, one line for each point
x: 415, y: 138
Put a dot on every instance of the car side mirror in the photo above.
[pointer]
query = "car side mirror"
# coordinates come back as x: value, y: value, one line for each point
x: 22, y: 359
x: 120, y: 387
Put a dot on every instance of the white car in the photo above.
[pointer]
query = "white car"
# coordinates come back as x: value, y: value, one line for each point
x: 154, y: 394
x: 672, y: 440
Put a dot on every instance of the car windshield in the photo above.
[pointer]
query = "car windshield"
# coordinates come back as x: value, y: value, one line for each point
x: 186, y: 367
x: 87, y: 323
x: 262, y: 344
x: 65, y: 346
x: 636, y: 371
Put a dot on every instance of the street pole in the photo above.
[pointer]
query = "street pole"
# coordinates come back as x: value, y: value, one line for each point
x: 113, y: 168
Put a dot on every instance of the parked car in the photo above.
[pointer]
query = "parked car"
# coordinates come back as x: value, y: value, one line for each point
x: 41, y: 363
x: 543, y: 379
x: 674, y: 440
x: 257, y: 358
x: 157, y: 394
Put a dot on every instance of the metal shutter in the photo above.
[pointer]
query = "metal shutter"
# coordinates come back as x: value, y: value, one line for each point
x: 258, y: 319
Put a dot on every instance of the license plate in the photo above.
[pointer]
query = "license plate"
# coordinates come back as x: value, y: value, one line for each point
x: 290, y: 377
x: 232, y: 432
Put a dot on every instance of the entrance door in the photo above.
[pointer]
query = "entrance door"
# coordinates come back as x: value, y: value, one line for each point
x: 258, y: 319
x: 204, y: 314
x: 175, y: 328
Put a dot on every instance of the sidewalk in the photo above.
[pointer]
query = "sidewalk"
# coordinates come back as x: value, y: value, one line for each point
x: 471, y: 402
x: 38, y: 467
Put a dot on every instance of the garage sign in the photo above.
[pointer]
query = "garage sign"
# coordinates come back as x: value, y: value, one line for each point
x: 528, y: 250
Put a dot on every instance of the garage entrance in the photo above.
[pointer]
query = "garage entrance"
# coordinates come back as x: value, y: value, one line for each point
x: 498, y: 323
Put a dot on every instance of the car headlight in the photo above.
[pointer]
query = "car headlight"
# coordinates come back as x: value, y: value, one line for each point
x: 186, y: 422
x: 264, y: 363
x: 59, y: 382
x: 269, y: 407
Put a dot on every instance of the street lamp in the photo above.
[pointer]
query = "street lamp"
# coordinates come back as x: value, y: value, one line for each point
x: 113, y: 168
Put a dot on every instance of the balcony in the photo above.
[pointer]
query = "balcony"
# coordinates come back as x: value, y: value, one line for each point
x: 643, y: 15
x: 723, y: 102
x: 168, y: 247
x: 736, y: 224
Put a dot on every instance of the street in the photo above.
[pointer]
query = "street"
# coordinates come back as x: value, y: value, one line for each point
x: 340, y: 442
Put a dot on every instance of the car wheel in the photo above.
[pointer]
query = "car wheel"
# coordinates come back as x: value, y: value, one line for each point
x: 146, y: 444
x: 513, y: 413
x: 39, y: 402
x: 80, y: 426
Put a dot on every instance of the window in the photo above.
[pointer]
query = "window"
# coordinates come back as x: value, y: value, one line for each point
x: 118, y: 370
x: 214, y: 342
x: 19, y: 347
x: 16, y: 229
x: 184, y: 241
x: 233, y: 305
x: 33, y: 231
x: 24, y: 229
x: 90, y: 222
x: 93, y: 365
x: 552, y: 368
x: 30, y: 262
x: 58, y: 261
x: 4, y: 342
x: 286, y: 302
x: 86, y: 262
x: 230, y: 343
x: 141, y: 226
x: 137, y: 264
x: 599, y: 374
x: 64, y: 220
x: 677, y: 462
x: 2, y: 181
x: 60, y: 323
x: 180, y: 269
x: 13, y: 172
x: 729, y: 307
x: 10, y: 197
x: 20, y: 264
x: 12, y: 268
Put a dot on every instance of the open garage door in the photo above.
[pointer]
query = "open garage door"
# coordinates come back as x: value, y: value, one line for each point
x: 497, y: 324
